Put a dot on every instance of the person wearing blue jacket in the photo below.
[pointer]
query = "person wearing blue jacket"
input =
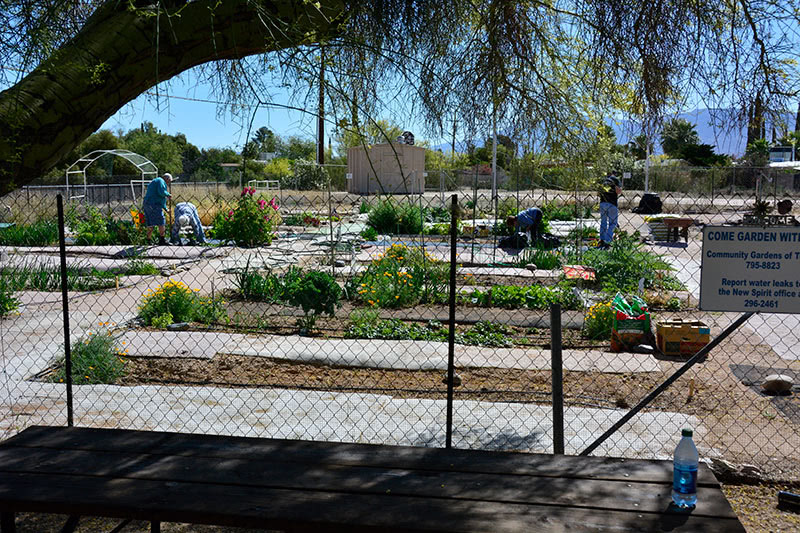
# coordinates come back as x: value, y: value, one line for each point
x: 187, y: 219
x: 154, y: 204
x: 529, y: 222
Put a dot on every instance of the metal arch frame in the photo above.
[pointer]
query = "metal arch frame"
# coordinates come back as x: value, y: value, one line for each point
x: 145, y: 166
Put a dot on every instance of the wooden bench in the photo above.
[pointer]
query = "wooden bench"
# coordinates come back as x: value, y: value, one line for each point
x: 301, y: 486
x: 676, y: 225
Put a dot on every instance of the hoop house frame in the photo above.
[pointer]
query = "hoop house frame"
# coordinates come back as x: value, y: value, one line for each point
x: 78, y: 168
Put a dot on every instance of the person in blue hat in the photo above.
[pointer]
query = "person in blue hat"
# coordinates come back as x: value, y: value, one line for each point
x: 154, y: 204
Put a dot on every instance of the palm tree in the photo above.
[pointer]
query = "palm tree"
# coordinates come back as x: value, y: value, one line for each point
x: 676, y: 134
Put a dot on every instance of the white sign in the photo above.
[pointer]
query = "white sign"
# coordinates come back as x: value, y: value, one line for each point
x: 750, y: 268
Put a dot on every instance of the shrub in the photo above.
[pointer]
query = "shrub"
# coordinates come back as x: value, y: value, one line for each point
x: 401, y: 277
x: 265, y: 287
x: 8, y: 303
x: 532, y: 297
x: 390, y: 217
x: 41, y: 233
x: 250, y: 223
x: 308, y: 176
x: 619, y: 268
x: 95, y: 359
x: 316, y: 293
x: 181, y: 304
x: 598, y: 321
x: 543, y: 259
x: 369, y: 234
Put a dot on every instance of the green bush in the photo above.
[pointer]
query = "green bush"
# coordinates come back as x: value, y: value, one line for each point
x: 182, y: 304
x: 316, y: 293
x: 8, y: 303
x: 43, y: 233
x: 369, y: 234
x: 95, y: 359
x: 366, y: 324
x: 267, y: 287
x: 401, y: 277
x: 250, y: 223
x: 532, y: 297
x: 388, y: 217
x: 620, y: 267
x: 308, y: 176
x: 598, y: 321
x: 543, y: 259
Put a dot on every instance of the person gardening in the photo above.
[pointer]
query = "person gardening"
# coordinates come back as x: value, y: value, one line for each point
x: 154, y: 204
x: 187, y: 220
x: 529, y: 222
x: 610, y: 190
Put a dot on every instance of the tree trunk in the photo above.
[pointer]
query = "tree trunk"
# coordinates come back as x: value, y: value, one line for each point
x: 121, y: 52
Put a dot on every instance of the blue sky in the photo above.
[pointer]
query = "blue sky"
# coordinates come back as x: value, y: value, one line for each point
x: 198, y: 120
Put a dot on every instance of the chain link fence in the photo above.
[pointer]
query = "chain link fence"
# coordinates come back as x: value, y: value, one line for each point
x: 324, y: 315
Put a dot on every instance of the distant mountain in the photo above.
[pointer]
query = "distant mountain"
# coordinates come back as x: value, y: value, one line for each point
x: 717, y: 133
x: 712, y: 127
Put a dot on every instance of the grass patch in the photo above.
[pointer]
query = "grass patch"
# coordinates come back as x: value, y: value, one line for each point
x: 47, y: 278
x: 95, y: 359
x: 42, y: 233
x: 367, y: 325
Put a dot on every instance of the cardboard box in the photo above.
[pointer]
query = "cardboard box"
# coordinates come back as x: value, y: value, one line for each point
x: 682, y: 337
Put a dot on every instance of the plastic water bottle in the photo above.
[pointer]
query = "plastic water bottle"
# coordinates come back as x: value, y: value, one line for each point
x: 684, y: 473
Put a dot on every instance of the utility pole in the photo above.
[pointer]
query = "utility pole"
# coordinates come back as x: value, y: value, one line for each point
x: 321, y: 110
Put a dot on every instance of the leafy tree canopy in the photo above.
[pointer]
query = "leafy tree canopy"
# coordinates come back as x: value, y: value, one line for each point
x: 677, y: 134
x: 543, y: 69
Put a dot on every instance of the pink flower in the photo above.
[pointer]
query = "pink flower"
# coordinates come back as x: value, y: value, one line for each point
x: 273, y: 204
x: 230, y: 213
x: 266, y: 217
x: 262, y: 203
x: 244, y: 191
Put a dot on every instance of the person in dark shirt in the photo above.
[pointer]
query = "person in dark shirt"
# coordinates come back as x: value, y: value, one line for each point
x: 610, y: 190
x: 528, y: 221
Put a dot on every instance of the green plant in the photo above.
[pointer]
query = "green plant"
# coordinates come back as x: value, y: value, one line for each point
x: 92, y: 230
x: 369, y: 234
x: 250, y: 223
x: 390, y: 217
x: 673, y: 304
x: 95, y: 359
x: 42, y: 233
x: 366, y: 324
x: 532, y: 297
x: 582, y: 233
x: 316, y: 293
x: 181, y: 303
x: 308, y: 176
x: 8, y: 303
x: 364, y: 208
x: 598, y: 321
x: 619, y: 268
x: 543, y: 259
x: 162, y: 321
x: 401, y: 277
x: 136, y: 266
x: 44, y: 277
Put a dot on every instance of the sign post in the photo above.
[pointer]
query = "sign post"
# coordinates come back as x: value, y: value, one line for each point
x: 750, y: 269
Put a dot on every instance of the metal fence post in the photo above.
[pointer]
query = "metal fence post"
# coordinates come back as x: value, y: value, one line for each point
x: 558, y: 379
x: 65, y: 306
x: 451, y: 337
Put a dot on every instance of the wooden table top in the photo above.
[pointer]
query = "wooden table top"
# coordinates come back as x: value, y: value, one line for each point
x: 323, y: 486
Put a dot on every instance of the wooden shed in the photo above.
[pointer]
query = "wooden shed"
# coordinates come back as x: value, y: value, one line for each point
x: 390, y: 168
